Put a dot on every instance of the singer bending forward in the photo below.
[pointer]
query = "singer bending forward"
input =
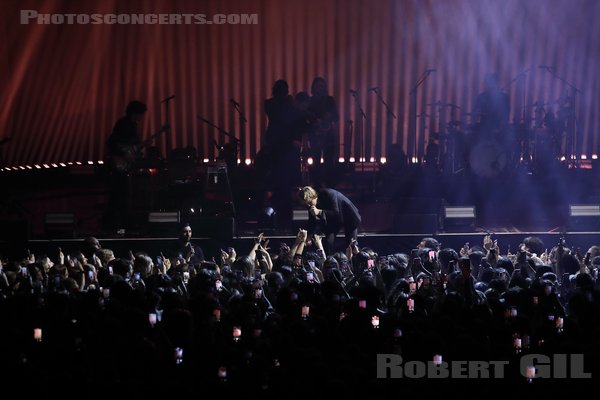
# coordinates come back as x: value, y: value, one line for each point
x: 329, y: 211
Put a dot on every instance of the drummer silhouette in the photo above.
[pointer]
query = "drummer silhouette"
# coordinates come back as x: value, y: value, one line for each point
x: 493, y: 107
x: 490, y: 147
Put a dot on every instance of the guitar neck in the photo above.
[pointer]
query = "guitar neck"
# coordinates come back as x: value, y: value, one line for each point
x: 147, y: 142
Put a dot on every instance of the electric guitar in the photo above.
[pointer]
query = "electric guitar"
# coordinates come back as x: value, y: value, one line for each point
x: 131, y: 153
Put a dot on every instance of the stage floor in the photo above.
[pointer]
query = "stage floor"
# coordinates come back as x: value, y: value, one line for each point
x: 394, y: 203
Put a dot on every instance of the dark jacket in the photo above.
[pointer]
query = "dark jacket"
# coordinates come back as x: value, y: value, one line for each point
x: 338, y: 212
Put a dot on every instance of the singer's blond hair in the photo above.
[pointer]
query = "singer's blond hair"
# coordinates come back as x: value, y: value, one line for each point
x: 308, y: 193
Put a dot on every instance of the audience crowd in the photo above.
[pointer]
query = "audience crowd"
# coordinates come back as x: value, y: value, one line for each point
x: 289, y: 321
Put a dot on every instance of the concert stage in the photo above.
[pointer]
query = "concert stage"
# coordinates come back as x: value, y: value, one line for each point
x: 395, y: 202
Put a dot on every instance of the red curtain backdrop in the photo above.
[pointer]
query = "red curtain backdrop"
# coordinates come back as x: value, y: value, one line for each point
x: 62, y: 87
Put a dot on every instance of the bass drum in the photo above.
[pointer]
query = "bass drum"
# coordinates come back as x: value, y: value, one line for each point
x: 488, y: 158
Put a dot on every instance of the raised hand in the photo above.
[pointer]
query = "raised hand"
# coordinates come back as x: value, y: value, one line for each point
x: 259, y: 238
x: 545, y: 257
x: 224, y: 257
x: 61, y: 257
x: 302, y: 235
x: 318, y: 240
x: 487, y: 242
x: 464, y: 252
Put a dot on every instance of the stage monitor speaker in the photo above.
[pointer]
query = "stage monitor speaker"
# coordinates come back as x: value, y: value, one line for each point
x: 60, y: 225
x: 299, y: 219
x: 163, y: 217
x: 163, y: 222
x: 459, y: 218
x: 584, y: 217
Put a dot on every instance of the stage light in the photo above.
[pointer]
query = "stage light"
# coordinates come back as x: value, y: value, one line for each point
x: 63, y: 164
x: 248, y: 161
x: 341, y: 159
x: 78, y: 162
x: 29, y: 167
x: 309, y: 161
x: 46, y: 166
x: 372, y: 159
x: 90, y: 163
x: 594, y: 156
x: 100, y: 162
x: 37, y: 166
x: 21, y: 167
x: 383, y: 160
x: 205, y: 160
x: 583, y: 157
x: 54, y: 165
x: 322, y: 160
x: 361, y: 159
x: 352, y: 159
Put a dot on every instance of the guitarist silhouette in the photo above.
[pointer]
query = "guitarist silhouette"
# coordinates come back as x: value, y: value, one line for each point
x: 123, y: 150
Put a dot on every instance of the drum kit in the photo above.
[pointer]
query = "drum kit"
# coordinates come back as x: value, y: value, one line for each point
x: 488, y: 153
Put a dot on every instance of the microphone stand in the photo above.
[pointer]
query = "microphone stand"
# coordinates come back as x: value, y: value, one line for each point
x: 221, y: 130
x: 243, y: 122
x: 521, y: 97
x: 412, y: 125
x: 168, y: 142
x: 387, y: 107
x: 571, y: 122
x: 389, y: 123
x: 360, y: 125
x: 348, y: 144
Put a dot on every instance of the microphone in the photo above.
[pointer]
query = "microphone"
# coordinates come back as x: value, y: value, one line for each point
x: 430, y: 70
x: 373, y: 89
x: 545, y: 66
x: 167, y: 99
x: 235, y: 103
x: 353, y: 92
